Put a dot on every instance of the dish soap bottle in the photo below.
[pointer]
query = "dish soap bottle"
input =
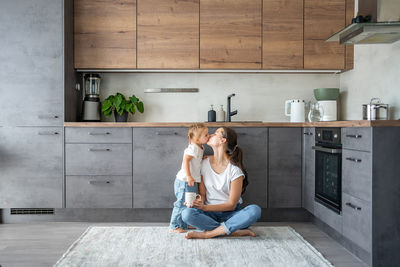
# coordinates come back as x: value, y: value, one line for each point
x: 211, y: 114
x: 221, y: 114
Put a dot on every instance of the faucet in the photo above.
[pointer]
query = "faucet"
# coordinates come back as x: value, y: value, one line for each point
x: 229, y: 114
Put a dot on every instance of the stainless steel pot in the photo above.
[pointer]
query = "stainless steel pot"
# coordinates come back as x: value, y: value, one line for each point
x: 375, y: 110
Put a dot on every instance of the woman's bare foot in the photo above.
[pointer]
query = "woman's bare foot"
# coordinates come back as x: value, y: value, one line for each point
x: 244, y: 232
x: 177, y: 230
x: 196, y: 235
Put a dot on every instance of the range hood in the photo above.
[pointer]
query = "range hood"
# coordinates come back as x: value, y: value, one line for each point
x: 384, y: 26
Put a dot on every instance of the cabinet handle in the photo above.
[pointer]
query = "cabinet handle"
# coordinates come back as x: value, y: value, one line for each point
x: 99, y: 182
x: 308, y: 133
x: 48, y: 116
x: 357, y: 136
x: 354, y: 160
x: 353, y: 206
x: 48, y: 133
x: 166, y: 133
x: 106, y: 133
x: 99, y: 149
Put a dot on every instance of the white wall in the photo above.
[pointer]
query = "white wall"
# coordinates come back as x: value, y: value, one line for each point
x: 376, y: 73
x: 258, y: 96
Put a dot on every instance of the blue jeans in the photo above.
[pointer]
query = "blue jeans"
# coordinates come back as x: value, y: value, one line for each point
x: 180, y: 188
x: 231, y: 221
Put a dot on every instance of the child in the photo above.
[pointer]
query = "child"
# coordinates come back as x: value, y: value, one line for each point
x: 188, y: 177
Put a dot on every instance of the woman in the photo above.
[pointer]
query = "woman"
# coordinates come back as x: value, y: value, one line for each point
x: 224, y: 180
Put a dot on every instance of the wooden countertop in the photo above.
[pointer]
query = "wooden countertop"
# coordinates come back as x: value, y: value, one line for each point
x: 360, y: 123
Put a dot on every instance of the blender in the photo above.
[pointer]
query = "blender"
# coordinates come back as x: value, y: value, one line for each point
x: 91, y: 101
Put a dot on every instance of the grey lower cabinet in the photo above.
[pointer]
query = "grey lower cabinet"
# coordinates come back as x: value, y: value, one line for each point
x: 308, y: 161
x: 32, y: 53
x: 284, y: 176
x: 157, y: 157
x: 254, y: 143
x: 98, y: 167
x: 31, y: 167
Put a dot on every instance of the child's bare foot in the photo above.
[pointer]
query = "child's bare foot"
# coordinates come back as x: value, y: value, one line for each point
x: 177, y: 230
x: 244, y: 232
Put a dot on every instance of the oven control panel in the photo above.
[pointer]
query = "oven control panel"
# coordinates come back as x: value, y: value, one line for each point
x: 328, y: 135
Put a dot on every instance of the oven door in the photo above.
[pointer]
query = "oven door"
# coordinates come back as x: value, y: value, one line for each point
x: 328, y: 177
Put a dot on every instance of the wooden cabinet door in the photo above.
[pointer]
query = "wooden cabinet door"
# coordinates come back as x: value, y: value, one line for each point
x: 105, y: 34
x: 282, y: 34
x: 323, y: 18
x: 168, y: 34
x: 230, y: 34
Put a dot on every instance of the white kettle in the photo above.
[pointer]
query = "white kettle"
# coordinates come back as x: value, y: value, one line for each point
x: 295, y: 108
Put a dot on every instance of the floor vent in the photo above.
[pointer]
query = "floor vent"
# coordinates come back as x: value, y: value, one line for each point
x: 31, y: 211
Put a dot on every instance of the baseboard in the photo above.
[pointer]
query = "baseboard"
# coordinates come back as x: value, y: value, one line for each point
x: 137, y: 215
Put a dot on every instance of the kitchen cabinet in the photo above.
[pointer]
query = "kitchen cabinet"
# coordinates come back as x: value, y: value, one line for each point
x: 230, y: 34
x: 328, y: 216
x: 282, y: 46
x: 31, y: 166
x: 168, y: 34
x: 105, y: 34
x: 254, y: 143
x: 322, y: 19
x: 157, y: 157
x: 349, y: 49
x: 31, y: 63
x: 284, y: 175
x: 98, y: 191
x: 308, y: 181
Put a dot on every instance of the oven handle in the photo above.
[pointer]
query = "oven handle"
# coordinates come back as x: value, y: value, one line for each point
x: 327, y: 150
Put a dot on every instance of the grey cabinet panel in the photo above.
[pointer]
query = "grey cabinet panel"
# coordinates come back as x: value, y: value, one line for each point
x: 31, y: 166
x: 157, y: 157
x: 98, y: 135
x: 308, y: 180
x: 31, y: 60
x: 357, y: 138
x: 357, y: 221
x: 357, y: 174
x: 99, y: 191
x: 328, y: 216
x: 254, y: 143
x: 284, y: 186
x: 98, y: 159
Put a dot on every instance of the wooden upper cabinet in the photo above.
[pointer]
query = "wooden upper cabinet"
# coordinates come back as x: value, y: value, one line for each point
x: 322, y: 19
x: 105, y: 34
x: 282, y: 34
x: 230, y: 34
x: 168, y: 34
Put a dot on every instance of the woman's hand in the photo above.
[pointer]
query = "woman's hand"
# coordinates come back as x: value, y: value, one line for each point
x: 199, y: 204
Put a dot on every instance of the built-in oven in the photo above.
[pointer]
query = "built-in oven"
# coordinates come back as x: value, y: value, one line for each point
x: 328, y: 168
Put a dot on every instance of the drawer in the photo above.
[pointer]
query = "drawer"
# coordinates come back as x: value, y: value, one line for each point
x: 98, y: 159
x: 98, y: 135
x: 357, y: 222
x: 357, y: 138
x: 98, y: 191
x: 328, y: 216
x: 357, y: 174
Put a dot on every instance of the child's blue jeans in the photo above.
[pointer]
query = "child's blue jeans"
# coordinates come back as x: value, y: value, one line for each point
x: 180, y: 187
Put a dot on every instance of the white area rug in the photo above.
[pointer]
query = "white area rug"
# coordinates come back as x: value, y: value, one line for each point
x: 155, y: 246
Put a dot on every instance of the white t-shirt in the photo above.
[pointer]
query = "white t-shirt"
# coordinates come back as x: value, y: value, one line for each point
x: 195, y: 163
x: 218, y: 185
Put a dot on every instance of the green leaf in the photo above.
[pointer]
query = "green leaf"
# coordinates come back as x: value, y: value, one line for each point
x: 140, y: 107
x: 134, y: 99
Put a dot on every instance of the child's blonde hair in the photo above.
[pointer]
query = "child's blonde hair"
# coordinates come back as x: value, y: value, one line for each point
x: 194, y: 130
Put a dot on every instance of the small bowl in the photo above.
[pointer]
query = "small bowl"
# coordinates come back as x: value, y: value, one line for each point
x: 324, y: 94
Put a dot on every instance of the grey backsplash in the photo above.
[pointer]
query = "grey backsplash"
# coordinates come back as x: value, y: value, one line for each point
x: 259, y: 96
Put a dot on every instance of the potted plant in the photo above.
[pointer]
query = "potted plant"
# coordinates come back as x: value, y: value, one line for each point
x: 121, y: 106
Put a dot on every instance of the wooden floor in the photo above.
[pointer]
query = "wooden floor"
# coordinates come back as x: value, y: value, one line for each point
x: 43, y: 244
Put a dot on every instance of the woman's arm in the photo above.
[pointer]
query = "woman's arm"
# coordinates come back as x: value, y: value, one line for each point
x: 230, y: 205
x: 202, y: 190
